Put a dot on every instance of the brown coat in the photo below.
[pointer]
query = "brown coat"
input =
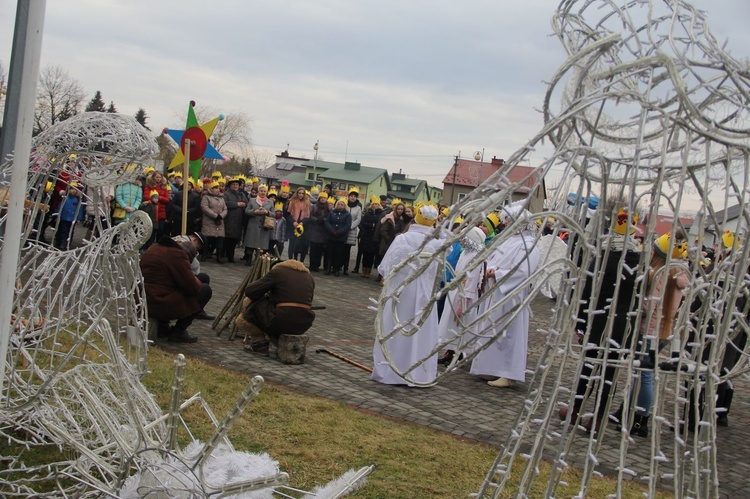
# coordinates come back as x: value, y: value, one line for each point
x: 171, y: 286
x: 288, y: 281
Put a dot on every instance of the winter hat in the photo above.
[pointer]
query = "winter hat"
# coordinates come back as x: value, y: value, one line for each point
x: 474, y: 239
x: 200, y: 237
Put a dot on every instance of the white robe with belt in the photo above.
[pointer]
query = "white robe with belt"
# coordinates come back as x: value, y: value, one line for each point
x: 407, y: 350
x: 506, y: 356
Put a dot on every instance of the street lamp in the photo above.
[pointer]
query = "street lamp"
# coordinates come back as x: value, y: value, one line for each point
x: 315, y: 163
x: 479, y: 156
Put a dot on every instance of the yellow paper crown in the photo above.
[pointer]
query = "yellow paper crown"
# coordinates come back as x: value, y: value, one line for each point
x: 285, y: 186
x: 396, y: 201
x: 153, y: 193
x: 278, y: 206
x: 177, y: 174
x: 374, y: 199
x: 216, y: 174
x: 273, y: 192
x: 191, y: 182
x: 254, y: 180
x: 354, y: 190
x: 263, y: 186
x: 149, y: 169
x: 241, y: 178
x: 622, y: 222
x: 315, y: 190
x: 728, y: 239
x: 492, y: 221
x: 323, y: 195
x: 214, y: 184
x: 425, y: 214
x: 343, y: 200
x: 661, y: 246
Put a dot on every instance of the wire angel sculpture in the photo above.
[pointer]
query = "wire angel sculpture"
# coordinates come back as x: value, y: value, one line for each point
x: 72, y: 389
x: 649, y: 112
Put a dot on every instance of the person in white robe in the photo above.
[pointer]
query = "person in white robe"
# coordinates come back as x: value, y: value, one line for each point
x: 457, y: 323
x: 406, y: 350
x: 510, y: 265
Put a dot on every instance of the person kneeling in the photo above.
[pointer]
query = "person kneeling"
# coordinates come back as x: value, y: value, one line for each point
x: 172, y: 290
x: 280, y: 303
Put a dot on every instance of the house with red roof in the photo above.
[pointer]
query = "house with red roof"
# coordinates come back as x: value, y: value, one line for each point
x: 465, y: 175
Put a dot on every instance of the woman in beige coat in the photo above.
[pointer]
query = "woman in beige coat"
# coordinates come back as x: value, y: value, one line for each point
x: 214, y: 209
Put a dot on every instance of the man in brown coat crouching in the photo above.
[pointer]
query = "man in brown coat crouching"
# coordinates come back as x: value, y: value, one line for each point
x: 280, y: 303
x: 173, y: 292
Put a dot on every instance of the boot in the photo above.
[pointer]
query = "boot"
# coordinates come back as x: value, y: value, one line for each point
x: 617, y: 417
x: 640, y: 426
x: 181, y: 336
x: 346, y: 270
x: 366, y: 272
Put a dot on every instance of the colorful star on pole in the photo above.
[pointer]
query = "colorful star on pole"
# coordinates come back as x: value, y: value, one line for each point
x: 200, y: 136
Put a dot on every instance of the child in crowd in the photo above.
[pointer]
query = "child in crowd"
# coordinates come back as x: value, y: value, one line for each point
x: 278, y: 233
x: 70, y: 211
x: 149, y: 207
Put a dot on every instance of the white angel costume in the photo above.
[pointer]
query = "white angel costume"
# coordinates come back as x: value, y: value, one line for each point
x: 404, y: 308
x: 512, y: 262
x: 460, y: 305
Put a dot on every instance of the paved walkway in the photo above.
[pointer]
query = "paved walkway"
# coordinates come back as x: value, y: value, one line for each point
x: 461, y: 405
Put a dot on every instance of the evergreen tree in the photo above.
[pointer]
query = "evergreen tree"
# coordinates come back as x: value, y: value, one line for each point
x: 96, y: 104
x: 111, y: 108
x: 141, y: 117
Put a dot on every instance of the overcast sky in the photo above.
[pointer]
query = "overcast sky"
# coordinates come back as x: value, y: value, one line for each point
x: 390, y: 83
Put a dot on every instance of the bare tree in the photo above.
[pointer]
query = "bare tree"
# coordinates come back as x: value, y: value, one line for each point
x: 230, y: 137
x: 59, y: 96
x: 261, y: 158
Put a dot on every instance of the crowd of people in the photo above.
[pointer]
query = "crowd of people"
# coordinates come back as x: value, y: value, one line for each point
x: 227, y: 214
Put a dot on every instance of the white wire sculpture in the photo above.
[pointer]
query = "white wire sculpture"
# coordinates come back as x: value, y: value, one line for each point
x: 72, y: 388
x: 648, y: 111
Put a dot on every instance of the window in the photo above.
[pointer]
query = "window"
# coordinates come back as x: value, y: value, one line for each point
x: 461, y: 196
x: 311, y: 176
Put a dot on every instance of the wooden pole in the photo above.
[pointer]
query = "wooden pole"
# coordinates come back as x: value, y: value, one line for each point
x: 185, y: 176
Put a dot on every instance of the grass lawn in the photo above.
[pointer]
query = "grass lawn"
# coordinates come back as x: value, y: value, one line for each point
x: 316, y: 440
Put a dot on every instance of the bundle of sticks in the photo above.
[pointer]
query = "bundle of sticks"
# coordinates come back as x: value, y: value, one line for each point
x: 233, y: 308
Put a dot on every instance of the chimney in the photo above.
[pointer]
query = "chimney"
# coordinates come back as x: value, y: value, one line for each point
x: 497, y: 161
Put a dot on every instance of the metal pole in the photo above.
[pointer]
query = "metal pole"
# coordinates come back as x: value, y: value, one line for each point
x: 14, y: 220
x: 10, y: 115
x: 453, y: 188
